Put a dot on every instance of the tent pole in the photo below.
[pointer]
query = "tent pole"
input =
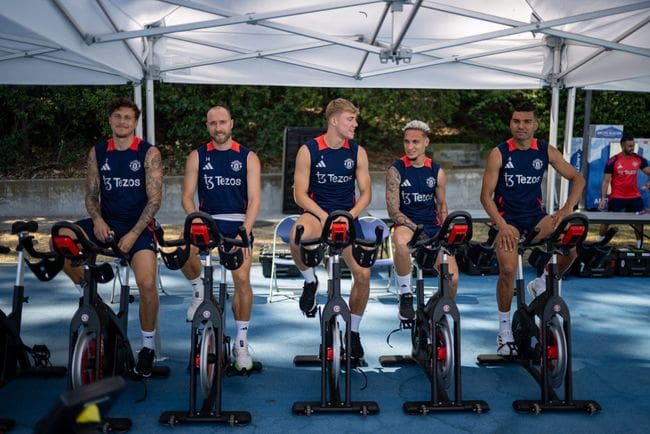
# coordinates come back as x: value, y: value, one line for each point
x: 556, y: 45
x: 151, y: 121
x: 137, y: 99
x: 568, y: 135
x: 584, y: 168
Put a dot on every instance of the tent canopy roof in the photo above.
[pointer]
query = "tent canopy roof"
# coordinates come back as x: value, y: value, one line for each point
x: 452, y: 44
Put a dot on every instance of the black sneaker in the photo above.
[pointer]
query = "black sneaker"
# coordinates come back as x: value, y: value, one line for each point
x: 308, y: 298
x: 406, y: 312
x: 356, y: 350
x: 145, y: 362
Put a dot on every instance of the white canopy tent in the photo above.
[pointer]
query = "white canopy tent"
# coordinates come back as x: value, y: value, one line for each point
x: 447, y: 44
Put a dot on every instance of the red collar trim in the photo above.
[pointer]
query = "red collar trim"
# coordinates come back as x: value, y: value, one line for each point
x: 322, y: 144
x: 427, y: 162
x: 135, y: 145
x: 234, y: 146
x: 512, y: 147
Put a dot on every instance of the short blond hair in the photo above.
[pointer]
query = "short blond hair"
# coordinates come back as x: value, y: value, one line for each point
x: 339, y: 105
x: 417, y: 125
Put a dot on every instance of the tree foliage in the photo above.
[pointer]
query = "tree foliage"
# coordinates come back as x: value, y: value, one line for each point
x: 46, y: 127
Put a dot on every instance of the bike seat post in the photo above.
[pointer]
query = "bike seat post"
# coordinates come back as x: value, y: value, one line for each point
x: 20, y: 268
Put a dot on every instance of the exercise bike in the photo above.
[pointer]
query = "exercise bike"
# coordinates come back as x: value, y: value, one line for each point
x: 542, y: 328
x: 16, y: 358
x: 210, y: 349
x: 80, y: 411
x: 99, y: 344
x: 336, y: 236
x: 435, y: 333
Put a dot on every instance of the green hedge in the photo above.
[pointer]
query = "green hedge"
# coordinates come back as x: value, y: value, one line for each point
x: 53, y: 126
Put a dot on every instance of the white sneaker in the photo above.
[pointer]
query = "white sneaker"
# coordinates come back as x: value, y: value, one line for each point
x: 506, y: 344
x: 194, y: 304
x: 536, y: 287
x: 243, y: 360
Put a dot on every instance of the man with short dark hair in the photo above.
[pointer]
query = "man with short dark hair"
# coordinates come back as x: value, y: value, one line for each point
x: 621, y: 171
x: 124, y: 185
x: 512, y: 197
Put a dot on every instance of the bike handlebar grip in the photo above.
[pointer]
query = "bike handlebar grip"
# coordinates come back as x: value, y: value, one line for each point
x: 608, y: 236
x: 530, y: 237
x: 111, y: 241
x: 379, y: 235
x: 245, y: 241
x: 414, y: 239
x: 22, y: 226
x: 300, y: 229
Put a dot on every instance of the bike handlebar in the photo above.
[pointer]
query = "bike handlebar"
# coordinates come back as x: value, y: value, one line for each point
x: 69, y: 248
x: 338, y: 237
x: 204, y: 235
x: 447, y: 237
x: 27, y: 242
x: 569, y: 233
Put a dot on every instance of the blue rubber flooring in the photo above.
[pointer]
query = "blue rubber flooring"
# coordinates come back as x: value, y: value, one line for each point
x: 611, y: 362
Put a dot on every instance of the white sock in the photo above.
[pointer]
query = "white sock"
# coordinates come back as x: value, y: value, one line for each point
x: 504, y: 321
x: 355, y: 320
x: 197, y: 288
x: 242, y: 330
x: 638, y: 244
x: 404, y: 283
x: 309, y: 275
x: 148, y: 339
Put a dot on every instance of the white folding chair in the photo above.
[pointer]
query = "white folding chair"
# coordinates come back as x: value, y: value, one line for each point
x: 117, y: 281
x: 385, y: 259
x: 281, y: 235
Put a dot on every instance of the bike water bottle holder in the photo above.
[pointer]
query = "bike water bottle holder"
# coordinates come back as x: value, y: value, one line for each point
x: 573, y: 235
x: 365, y: 252
x: 66, y: 247
x: 102, y: 273
x: 201, y: 237
x: 311, y: 252
x: 176, y: 259
x: 339, y: 232
x: 232, y: 259
x: 425, y: 257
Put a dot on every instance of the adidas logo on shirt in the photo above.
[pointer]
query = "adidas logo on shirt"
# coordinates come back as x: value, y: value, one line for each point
x: 321, y: 164
x: 509, y: 165
x: 106, y: 167
x: 406, y: 183
x: 208, y: 166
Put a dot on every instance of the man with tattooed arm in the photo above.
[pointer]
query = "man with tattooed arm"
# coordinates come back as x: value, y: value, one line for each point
x: 124, y: 184
x: 415, y: 194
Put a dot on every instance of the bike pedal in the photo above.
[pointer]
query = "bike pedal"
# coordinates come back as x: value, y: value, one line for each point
x: 407, y: 324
